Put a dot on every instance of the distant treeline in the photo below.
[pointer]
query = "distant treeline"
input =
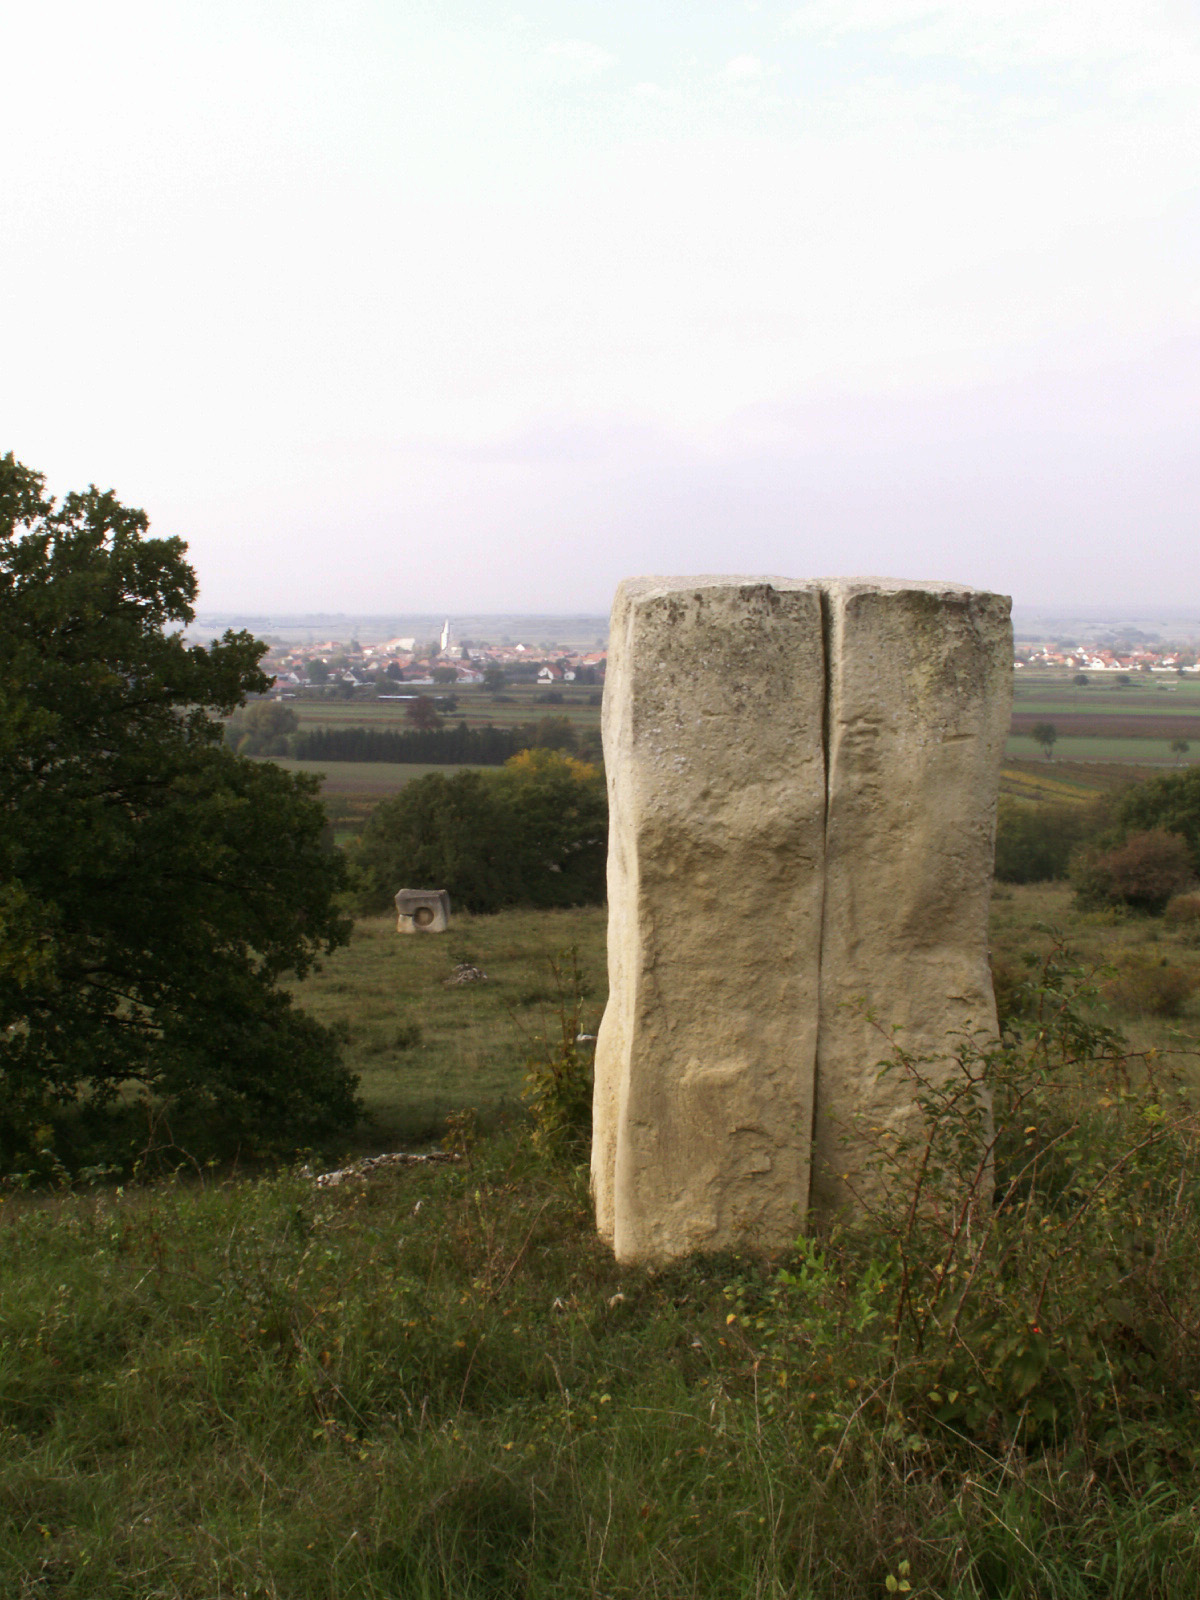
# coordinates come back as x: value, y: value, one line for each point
x: 480, y: 747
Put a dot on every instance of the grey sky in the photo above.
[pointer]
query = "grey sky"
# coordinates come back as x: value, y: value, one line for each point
x: 445, y: 304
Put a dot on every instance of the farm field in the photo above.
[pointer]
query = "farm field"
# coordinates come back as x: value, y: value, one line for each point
x: 1102, y: 722
x: 476, y: 706
x: 375, y: 779
x: 1032, y: 777
x: 1107, y: 748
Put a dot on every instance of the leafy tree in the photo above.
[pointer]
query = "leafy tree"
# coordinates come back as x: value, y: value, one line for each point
x: 422, y: 714
x: 534, y: 833
x: 562, y: 826
x: 1180, y: 748
x: 494, y: 678
x: 1045, y: 734
x: 262, y: 729
x: 317, y: 670
x: 555, y: 733
x: 1080, y: 680
x: 393, y: 671
x: 1123, y: 680
x: 1170, y: 802
x: 154, y: 886
x: 1034, y: 842
x: 445, y: 675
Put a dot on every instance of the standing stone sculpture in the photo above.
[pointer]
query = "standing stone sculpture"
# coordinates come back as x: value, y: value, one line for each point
x: 802, y: 793
x: 422, y: 911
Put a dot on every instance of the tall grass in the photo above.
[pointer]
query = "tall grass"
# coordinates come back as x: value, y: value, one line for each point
x: 435, y: 1381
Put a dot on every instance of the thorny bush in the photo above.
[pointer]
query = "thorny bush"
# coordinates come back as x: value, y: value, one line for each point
x: 1023, y: 1272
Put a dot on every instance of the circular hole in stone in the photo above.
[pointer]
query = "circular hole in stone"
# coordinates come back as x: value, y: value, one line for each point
x: 422, y: 916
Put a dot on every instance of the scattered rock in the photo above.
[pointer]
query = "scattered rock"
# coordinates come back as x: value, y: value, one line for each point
x: 395, y: 1158
x: 464, y: 972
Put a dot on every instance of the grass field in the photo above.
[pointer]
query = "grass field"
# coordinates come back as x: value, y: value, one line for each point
x: 437, y: 1383
x: 425, y: 1047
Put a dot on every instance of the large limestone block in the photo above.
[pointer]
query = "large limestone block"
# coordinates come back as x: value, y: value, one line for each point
x: 920, y: 692
x: 713, y: 713
x: 802, y: 786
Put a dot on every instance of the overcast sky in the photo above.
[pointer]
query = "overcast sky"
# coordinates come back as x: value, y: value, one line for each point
x: 453, y: 305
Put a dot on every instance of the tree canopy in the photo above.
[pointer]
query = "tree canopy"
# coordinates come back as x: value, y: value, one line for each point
x: 1170, y: 802
x: 154, y: 886
x: 533, y: 833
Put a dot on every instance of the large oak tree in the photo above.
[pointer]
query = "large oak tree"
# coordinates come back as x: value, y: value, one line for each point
x: 154, y: 887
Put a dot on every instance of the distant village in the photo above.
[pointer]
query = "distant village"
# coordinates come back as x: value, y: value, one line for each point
x: 389, y: 664
x: 1096, y: 658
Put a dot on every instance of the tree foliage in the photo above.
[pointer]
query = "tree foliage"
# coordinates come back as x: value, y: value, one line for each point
x: 1034, y: 842
x: 1170, y: 802
x: 264, y: 728
x: 533, y: 833
x: 422, y: 714
x: 154, y: 887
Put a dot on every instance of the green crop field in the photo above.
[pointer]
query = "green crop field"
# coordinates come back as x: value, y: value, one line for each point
x: 1101, y: 721
x: 1096, y: 747
x: 476, y: 706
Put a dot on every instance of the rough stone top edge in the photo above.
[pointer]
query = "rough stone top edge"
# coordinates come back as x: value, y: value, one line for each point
x: 633, y: 590
x: 652, y: 586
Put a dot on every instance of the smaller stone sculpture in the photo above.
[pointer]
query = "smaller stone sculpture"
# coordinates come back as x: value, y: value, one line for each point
x: 422, y: 911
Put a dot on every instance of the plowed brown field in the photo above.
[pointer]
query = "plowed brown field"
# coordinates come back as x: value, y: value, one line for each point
x: 1146, y: 726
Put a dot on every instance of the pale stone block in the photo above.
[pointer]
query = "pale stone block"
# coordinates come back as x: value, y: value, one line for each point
x: 920, y: 694
x: 802, y: 788
x: 712, y: 716
x: 422, y: 911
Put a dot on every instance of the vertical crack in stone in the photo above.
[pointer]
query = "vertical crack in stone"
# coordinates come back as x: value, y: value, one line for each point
x: 827, y: 662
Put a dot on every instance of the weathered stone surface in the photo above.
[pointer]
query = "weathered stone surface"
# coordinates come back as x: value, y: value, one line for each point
x: 704, y: 1062
x: 422, y: 911
x: 752, y: 727
x: 920, y: 691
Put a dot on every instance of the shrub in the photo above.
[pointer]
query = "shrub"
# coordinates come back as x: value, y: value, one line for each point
x: 1034, y: 842
x: 1148, y: 987
x: 558, y: 1075
x: 1184, y: 909
x: 1171, y: 802
x: 1145, y: 871
x: 1023, y: 1280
